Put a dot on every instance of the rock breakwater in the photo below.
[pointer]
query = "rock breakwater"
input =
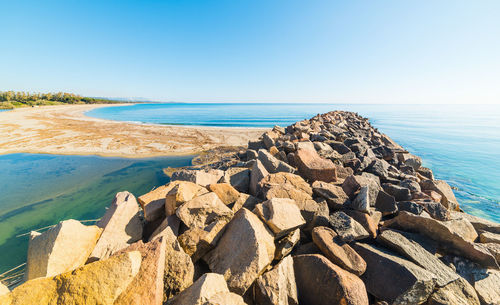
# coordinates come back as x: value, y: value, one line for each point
x: 326, y: 211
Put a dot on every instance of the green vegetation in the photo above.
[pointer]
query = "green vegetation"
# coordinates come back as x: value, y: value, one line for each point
x: 12, y: 99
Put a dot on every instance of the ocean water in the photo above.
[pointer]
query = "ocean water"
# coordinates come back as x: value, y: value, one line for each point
x: 460, y: 143
x: 39, y: 190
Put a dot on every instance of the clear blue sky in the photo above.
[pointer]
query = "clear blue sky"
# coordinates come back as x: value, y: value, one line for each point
x: 255, y: 50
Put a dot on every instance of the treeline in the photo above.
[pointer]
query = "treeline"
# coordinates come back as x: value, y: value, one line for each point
x: 12, y: 99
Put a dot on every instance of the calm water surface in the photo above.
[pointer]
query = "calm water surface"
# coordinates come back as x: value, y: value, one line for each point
x: 461, y: 143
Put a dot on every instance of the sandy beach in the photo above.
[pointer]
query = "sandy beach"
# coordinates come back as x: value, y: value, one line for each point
x: 66, y: 130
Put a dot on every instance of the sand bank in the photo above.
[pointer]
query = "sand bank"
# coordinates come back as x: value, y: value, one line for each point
x: 66, y: 130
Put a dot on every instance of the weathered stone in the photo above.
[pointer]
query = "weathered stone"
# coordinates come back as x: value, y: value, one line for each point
x: 454, y: 235
x: 311, y: 210
x: 182, y: 191
x: 379, y: 167
x: 245, y: 201
x: 286, y: 190
x: 153, y: 203
x: 272, y: 164
x: 147, y: 286
x: 292, y: 185
x: 206, y: 287
x: 60, y: 249
x: 277, y: 287
x: 416, y: 253
x: 226, y: 193
x: 304, y: 145
x: 429, y: 194
x: 171, y: 221
x: 100, y: 282
x: 435, y: 209
x: 203, y: 210
x: 225, y: 298
x: 3, y: 289
x: 386, y: 203
x: 337, y: 251
x: 486, y: 285
x: 352, y: 184
x: 200, y: 177
x: 196, y: 242
x: 268, y: 139
x: 242, y: 265
x: 282, y: 215
x: 319, y: 282
x: 333, y: 194
x: 392, y: 278
x: 364, y: 219
x: 410, y: 207
x: 313, y: 167
x: 440, y: 186
x: 493, y: 248
x: 285, y: 245
x: 257, y: 174
x: 121, y: 226
x: 347, y: 228
x: 238, y: 177
x: 477, y: 222
x: 414, y: 162
x: 362, y: 200
x: 398, y: 192
x: 413, y: 186
x: 340, y: 147
x: 488, y: 237
x: 458, y: 292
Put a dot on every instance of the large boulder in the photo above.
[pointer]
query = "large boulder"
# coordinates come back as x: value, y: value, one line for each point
x: 203, y: 210
x: 241, y: 265
x: 333, y: 194
x: 200, y: 177
x: 147, y: 286
x: 121, y: 226
x: 456, y: 235
x: 205, y: 288
x: 477, y: 222
x: 100, y: 282
x: 448, y: 198
x: 319, y: 282
x: 238, y: 177
x: 368, y: 221
x: 394, y: 279
x: 414, y: 252
x: 346, y: 227
x: 62, y: 248
x: 182, y: 192
x: 257, y: 174
x: 313, y: 167
x: 386, y: 203
x: 172, y: 221
x: 153, y: 203
x: 226, y: 193
x: 281, y: 215
x: 458, y: 292
x: 277, y: 286
x: 313, y: 212
x: 286, y: 244
x: 398, y: 192
x: 353, y: 183
x: 245, y: 201
x: 272, y: 164
x: 362, y: 200
x: 285, y: 185
x: 337, y: 251
x: 488, y: 237
x: 196, y: 242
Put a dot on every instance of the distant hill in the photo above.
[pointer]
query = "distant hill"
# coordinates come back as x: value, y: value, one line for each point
x: 13, y: 99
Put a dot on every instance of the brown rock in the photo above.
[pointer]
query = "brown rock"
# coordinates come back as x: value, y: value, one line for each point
x: 241, y: 265
x: 477, y: 222
x: 458, y: 292
x: 319, y: 282
x: 312, y: 211
x: 277, y: 287
x: 197, y: 242
x: 153, y: 203
x: 352, y: 184
x: 365, y: 220
x: 346, y: 227
x: 206, y: 287
x: 282, y: 215
x: 245, y: 201
x: 257, y: 174
x: 60, y: 249
x: 442, y: 188
x: 488, y: 237
x: 200, y: 177
x: 285, y: 245
x: 225, y: 298
x: 3, y: 290
x: 285, y: 185
x: 225, y: 191
x: 337, y: 251
x: 333, y: 194
x: 182, y: 192
x: 172, y: 221
x: 313, y: 167
x: 238, y: 177
x: 203, y: 210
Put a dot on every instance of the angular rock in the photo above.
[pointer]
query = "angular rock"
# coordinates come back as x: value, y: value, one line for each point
x: 282, y: 215
x: 353, y: 183
x: 362, y: 200
x: 257, y: 174
x: 493, y: 248
x: 368, y: 222
x: 321, y: 282
x: 315, y: 168
x: 435, y: 209
x: 206, y: 287
x: 153, y: 203
x: 337, y: 251
x: 226, y: 193
x: 121, y: 226
x: 448, y: 197
x: 386, y: 203
x: 413, y: 186
x: 100, y: 282
x: 147, y: 286
x: 333, y: 194
x: 203, y: 210
x: 410, y: 207
x: 272, y: 164
x: 225, y: 298
x: 285, y: 245
x: 286, y: 190
x: 458, y: 292
x: 238, y: 177
x: 197, y: 242
x: 398, y: 192
x: 311, y: 210
x: 414, y: 252
x: 488, y: 237
x: 347, y: 228
x: 242, y: 265
x: 60, y: 249
x: 426, y: 172
x: 393, y: 279
x: 172, y: 221
x: 200, y: 177
x: 379, y: 168
x: 477, y: 222
x: 245, y: 201
x: 182, y: 191
x: 486, y: 285
x: 454, y: 235
x: 277, y: 287
x: 3, y: 289
x: 414, y: 162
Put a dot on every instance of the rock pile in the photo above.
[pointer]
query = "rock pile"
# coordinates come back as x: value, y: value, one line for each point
x: 325, y: 211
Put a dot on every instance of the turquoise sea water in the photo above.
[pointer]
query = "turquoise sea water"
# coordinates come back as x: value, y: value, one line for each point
x: 39, y: 190
x: 461, y: 143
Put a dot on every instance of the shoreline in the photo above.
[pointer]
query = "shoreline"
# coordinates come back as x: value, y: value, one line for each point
x: 66, y: 130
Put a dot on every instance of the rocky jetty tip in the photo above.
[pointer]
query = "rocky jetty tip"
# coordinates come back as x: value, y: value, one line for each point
x: 325, y: 211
